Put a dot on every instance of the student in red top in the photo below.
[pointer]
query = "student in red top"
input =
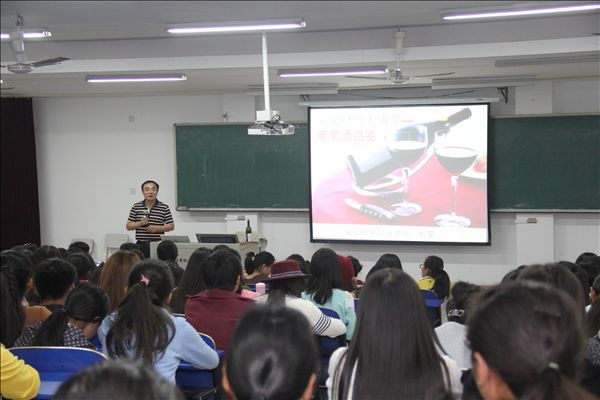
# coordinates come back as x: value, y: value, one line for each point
x: 216, y: 310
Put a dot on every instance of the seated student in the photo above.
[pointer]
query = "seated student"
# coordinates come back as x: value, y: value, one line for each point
x: 142, y: 329
x: 84, y: 264
x: 130, y: 246
x: 167, y: 251
x: 257, y: 266
x: 71, y: 326
x: 527, y: 342
x: 346, y: 274
x: 452, y: 334
x: 192, y: 281
x: 79, y: 247
x: 286, y: 286
x: 393, y: 351
x: 323, y: 288
x: 11, y: 310
x: 53, y: 279
x: 215, y: 310
x: 21, y: 269
x: 558, y: 276
x: 357, y: 266
x: 17, y: 379
x: 45, y: 252
x: 304, y: 264
x: 118, y: 380
x: 273, y: 355
x: 434, y: 277
x: 387, y: 260
x: 114, y: 275
x: 591, y: 379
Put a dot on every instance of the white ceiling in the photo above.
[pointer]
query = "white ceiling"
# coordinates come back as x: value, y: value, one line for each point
x: 129, y: 36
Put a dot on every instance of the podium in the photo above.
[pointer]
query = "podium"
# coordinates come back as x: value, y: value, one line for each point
x: 186, y: 249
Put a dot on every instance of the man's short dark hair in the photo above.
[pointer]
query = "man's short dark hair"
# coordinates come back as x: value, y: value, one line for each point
x: 79, y: 246
x: 167, y: 250
x: 53, y: 278
x: 83, y: 263
x: 221, y: 270
x: 149, y: 181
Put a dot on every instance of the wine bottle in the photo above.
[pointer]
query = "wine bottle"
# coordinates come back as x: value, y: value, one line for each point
x: 248, y: 231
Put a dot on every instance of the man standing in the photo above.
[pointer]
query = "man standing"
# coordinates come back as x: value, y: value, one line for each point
x: 149, y: 218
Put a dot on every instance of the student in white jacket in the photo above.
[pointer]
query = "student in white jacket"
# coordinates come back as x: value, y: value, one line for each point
x: 286, y: 286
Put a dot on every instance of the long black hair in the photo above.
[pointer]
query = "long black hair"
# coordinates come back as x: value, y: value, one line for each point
x: 531, y: 335
x: 441, y: 287
x: 191, y: 282
x: 325, y: 272
x: 272, y: 354
x: 142, y: 324
x: 11, y: 310
x: 86, y: 303
x: 393, y: 349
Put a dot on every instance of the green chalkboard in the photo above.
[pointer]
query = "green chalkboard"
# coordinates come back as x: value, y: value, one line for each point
x: 536, y: 163
x: 222, y: 167
x: 545, y: 163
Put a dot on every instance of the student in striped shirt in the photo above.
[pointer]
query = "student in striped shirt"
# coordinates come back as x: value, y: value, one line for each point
x: 150, y: 218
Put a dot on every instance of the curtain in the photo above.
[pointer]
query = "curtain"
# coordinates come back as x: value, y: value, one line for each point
x: 20, y: 214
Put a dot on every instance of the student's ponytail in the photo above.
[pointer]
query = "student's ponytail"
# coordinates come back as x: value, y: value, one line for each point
x: 52, y: 331
x: 441, y: 286
x: 142, y: 324
x: 249, y: 266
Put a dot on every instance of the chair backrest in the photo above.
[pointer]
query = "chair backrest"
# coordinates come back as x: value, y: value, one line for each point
x: 432, y: 303
x: 329, y: 345
x: 56, y: 364
x: 199, y: 383
x: 431, y: 299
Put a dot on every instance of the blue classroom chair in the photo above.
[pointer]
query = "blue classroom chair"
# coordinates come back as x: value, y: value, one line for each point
x: 56, y: 364
x: 200, y: 383
x: 327, y: 346
x: 433, y: 304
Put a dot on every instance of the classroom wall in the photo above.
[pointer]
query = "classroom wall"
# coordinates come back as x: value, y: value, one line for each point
x: 93, y: 152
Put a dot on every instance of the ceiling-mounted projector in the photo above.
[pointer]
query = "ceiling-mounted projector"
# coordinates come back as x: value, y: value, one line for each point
x: 270, y: 123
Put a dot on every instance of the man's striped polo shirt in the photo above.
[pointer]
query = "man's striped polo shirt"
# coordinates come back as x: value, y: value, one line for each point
x: 159, y: 215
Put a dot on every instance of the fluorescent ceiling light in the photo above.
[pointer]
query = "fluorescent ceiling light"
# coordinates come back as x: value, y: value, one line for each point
x: 391, y: 102
x: 294, y: 90
x: 455, y: 15
x: 547, y: 60
x: 491, y: 81
x: 237, y: 26
x: 368, y: 70
x: 135, y: 78
x: 30, y: 34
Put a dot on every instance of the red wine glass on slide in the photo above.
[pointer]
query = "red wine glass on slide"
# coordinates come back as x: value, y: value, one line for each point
x: 456, y: 157
x: 406, y: 146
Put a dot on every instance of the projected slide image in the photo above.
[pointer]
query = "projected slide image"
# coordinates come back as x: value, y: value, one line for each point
x: 406, y: 174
